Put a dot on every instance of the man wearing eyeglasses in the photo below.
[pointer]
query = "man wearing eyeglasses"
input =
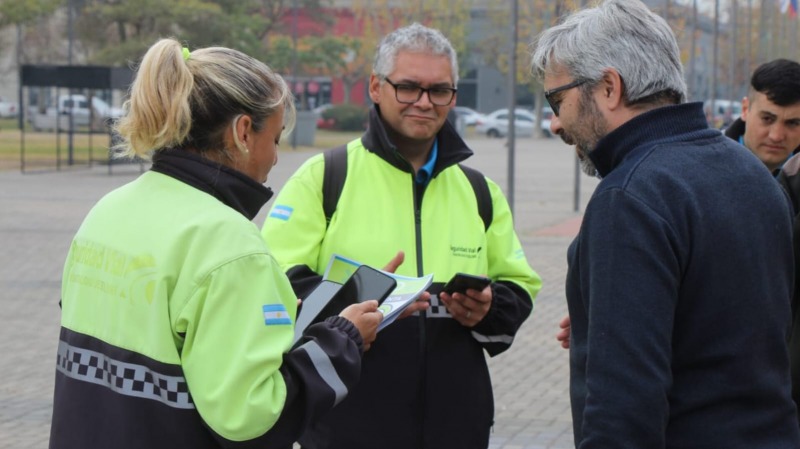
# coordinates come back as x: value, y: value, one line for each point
x: 407, y: 204
x: 678, y: 298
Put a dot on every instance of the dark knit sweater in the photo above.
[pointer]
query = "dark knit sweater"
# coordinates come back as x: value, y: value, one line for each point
x: 678, y: 289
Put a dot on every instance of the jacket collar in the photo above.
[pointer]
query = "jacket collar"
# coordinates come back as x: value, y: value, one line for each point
x: 452, y: 148
x: 661, y: 125
x: 235, y: 189
x: 736, y: 130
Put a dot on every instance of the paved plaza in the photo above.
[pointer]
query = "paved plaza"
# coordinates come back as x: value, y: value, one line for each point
x: 40, y: 212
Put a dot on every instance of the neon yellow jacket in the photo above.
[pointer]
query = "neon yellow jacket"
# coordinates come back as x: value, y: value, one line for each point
x: 176, y: 324
x: 381, y: 211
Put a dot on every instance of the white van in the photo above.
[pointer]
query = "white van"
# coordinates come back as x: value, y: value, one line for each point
x: 78, y: 106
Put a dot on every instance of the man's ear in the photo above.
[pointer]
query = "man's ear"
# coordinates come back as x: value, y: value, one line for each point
x: 745, y: 108
x: 375, y: 88
x: 611, y: 90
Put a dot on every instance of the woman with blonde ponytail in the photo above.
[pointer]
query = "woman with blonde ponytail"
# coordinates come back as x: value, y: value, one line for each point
x: 177, y: 322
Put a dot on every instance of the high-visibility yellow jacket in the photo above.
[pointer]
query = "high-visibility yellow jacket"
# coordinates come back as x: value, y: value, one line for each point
x: 177, y: 320
x: 427, y: 376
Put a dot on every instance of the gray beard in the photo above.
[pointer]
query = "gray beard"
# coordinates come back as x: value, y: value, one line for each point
x: 588, y: 167
x: 585, y: 142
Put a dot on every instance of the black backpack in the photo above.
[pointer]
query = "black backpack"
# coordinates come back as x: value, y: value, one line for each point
x: 336, y: 173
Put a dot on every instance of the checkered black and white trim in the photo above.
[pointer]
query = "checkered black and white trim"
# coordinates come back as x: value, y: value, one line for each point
x: 437, y: 308
x: 122, y: 377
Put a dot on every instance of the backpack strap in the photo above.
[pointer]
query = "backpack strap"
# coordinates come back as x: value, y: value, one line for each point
x: 333, y: 180
x: 336, y: 173
x: 482, y: 194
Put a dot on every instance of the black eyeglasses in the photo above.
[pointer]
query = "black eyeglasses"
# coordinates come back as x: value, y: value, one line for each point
x: 411, y: 93
x: 556, y: 104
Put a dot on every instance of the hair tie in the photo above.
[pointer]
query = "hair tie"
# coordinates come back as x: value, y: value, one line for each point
x: 186, y: 54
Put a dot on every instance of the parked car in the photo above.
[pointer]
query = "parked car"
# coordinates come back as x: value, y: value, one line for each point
x: 495, y: 124
x: 470, y: 116
x: 547, y: 115
x: 458, y: 122
x: 78, y: 105
x: 322, y: 108
x: 8, y: 108
x: 322, y: 122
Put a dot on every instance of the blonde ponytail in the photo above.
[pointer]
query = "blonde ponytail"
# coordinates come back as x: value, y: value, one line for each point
x: 189, y: 103
x: 158, y: 114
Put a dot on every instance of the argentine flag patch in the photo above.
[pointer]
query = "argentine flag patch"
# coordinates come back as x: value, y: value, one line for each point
x: 281, y: 212
x: 276, y: 314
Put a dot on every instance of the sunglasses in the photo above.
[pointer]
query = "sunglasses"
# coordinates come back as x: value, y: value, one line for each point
x: 555, y: 104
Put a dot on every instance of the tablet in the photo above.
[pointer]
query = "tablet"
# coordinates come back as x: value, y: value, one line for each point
x: 311, y: 309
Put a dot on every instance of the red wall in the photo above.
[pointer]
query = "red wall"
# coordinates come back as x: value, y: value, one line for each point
x: 345, y: 23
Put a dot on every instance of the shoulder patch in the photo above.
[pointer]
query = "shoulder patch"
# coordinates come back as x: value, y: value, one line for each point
x: 276, y: 314
x: 281, y: 212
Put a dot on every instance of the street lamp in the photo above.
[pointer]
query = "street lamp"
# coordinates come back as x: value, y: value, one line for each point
x: 294, y: 63
x: 71, y: 39
x: 512, y: 108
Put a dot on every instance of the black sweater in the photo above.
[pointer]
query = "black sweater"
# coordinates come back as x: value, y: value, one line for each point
x: 678, y: 289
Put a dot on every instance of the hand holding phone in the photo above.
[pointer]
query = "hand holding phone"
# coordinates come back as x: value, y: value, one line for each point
x: 460, y: 282
x: 467, y: 310
x: 330, y: 298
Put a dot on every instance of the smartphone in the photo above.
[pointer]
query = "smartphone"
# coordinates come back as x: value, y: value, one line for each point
x: 460, y: 282
x: 365, y: 284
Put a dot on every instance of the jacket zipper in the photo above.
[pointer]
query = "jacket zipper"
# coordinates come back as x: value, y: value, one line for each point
x: 419, y: 190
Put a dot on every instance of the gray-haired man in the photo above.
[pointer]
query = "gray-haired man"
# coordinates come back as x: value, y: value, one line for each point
x: 426, y: 384
x: 678, y: 299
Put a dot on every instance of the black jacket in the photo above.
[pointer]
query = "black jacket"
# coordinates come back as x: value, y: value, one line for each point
x: 736, y: 130
x: 789, y: 179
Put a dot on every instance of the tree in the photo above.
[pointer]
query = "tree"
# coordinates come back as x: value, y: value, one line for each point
x: 368, y: 22
x: 371, y: 20
x: 452, y: 18
x: 120, y: 31
x: 22, y: 13
x: 357, y: 64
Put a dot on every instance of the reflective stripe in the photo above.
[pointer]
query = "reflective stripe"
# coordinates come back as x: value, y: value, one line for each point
x: 122, y: 377
x: 322, y: 363
x: 507, y: 339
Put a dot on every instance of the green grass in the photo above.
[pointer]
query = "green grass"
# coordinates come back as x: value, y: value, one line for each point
x: 47, y: 150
